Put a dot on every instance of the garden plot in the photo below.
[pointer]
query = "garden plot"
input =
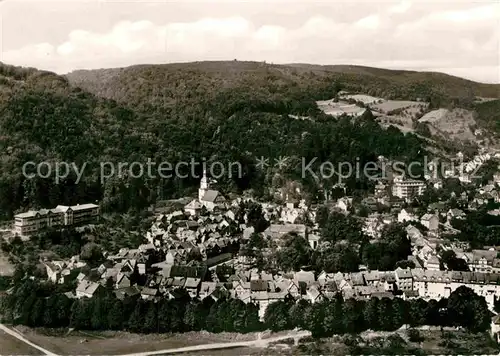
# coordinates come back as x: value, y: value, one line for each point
x: 339, y: 108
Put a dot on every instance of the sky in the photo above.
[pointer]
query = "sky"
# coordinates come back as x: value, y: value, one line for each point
x: 457, y: 37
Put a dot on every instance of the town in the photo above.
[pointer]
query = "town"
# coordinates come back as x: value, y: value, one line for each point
x: 203, y: 249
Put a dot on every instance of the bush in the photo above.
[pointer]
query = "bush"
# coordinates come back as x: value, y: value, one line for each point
x: 415, y: 336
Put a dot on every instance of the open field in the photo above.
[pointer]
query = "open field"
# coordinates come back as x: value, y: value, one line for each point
x: 237, y: 351
x: 432, y: 342
x: 333, y: 108
x: 115, y: 343
x: 365, y: 99
x: 9, y: 345
x: 454, y: 124
x: 391, y: 105
x: 6, y: 268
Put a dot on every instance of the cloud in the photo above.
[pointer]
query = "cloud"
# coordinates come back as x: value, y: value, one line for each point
x: 459, y: 39
x: 400, y: 8
x: 369, y: 22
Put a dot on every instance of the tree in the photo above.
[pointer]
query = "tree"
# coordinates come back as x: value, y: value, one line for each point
x: 297, y: 313
x: 371, y: 314
x: 465, y: 308
x: 451, y: 262
x: 115, y: 316
x: 353, y: 316
x: 415, y: 336
x: 91, y: 252
x: 255, y: 217
x: 136, y: 320
x: 276, y: 316
x: 151, y: 318
x: 194, y: 316
x: 295, y: 254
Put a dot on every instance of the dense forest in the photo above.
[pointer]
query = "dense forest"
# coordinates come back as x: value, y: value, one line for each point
x: 215, y: 111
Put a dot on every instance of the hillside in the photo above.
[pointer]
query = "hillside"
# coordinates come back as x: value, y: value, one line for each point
x: 230, y: 112
x: 169, y: 84
x: 44, y: 119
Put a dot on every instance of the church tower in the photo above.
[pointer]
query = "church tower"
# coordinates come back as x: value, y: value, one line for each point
x: 204, y: 186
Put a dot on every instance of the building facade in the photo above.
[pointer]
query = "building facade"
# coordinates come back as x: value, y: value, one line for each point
x: 29, y: 223
x: 407, y: 188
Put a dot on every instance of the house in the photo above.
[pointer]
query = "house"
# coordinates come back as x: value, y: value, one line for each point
x: 314, y: 295
x: 247, y: 232
x: 482, y: 260
x: 88, y: 289
x: 344, y: 204
x: 380, y: 189
x: 54, y: 269
x: 406, y: 215
x: 306, y: 277
x: 388, y: 279
x: 430, y: 221
x: 495, y: 328
x: 192, y: 285
x: 404, y: 279
x: 432, y: 263
x: 206, y: 289
x: 193, y: 208
x: 123, y: 281
x: 313, y: 240
x: 149, y: 293
x: 455, y: 214
x: 277, y: 231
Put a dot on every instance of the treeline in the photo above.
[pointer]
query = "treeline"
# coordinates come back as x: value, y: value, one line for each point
x: 43, y: 305
x: 478, y: 228
x: 337, y: 316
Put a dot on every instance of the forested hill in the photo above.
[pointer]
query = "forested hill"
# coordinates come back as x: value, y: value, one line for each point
x: 168, y: 84
x: 224, y: 111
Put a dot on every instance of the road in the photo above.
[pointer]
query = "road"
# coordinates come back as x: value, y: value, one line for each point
x: 21, y: 338
x: 225, y: 345
x: 217, y: 346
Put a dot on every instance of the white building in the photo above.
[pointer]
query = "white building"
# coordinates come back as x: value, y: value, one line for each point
x: 407, y: 188
x: 430, y: 221
x: 207, y: 197
x: 406, y: 215
x: 29, y: 223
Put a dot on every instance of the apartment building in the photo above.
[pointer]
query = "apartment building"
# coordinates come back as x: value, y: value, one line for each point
x: 29, y: 223
x: 407, y: 188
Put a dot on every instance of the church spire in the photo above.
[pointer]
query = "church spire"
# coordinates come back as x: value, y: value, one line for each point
x: 203, y: 185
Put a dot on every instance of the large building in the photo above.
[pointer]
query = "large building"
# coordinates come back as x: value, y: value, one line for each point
x: 407, y: 188
x: 207, y: 197
x: 29, y: 223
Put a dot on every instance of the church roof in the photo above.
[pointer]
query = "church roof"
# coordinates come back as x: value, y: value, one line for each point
x: 210, y: 196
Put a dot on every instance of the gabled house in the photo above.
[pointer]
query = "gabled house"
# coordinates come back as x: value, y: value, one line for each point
x: 88, y: 289
x: 430, y: 221
x: 192, y: 285
x: 193, y: 208
x: 206, y: 289
x: 406, y: 215
x: 149, y: 293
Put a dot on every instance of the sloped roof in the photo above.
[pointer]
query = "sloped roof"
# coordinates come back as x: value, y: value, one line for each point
x: 210, y: 196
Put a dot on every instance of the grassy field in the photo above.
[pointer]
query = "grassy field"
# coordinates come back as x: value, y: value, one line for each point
x: 432, y: 342
x: 6, y: 268
x: 115, y: 343
x: 9, y: 345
